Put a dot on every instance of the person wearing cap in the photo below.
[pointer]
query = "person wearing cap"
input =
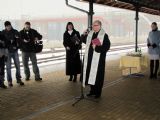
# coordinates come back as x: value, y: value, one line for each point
x: 12, y: 37
x: 27, y: 45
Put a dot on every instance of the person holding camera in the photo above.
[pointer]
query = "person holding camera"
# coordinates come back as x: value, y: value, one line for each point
x: 72, y: 44
x: 153, y: 43
x: 3, y: 57
x: 12, y: 37
x: 29, y: 37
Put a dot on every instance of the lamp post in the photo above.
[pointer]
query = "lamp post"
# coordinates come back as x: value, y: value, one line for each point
x: 90, y: 13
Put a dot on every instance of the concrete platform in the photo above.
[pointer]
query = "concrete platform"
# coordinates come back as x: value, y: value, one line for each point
x: 123, y: 98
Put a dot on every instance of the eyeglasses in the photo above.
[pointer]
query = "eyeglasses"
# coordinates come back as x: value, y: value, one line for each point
x: 95, y: 25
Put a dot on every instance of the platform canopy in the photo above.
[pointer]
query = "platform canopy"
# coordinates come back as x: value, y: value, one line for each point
x: 146, y: 6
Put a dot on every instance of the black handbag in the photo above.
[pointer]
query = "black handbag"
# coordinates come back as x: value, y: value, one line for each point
x: 38, y: 46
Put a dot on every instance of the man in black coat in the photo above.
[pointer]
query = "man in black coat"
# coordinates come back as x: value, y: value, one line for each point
x: 12, y: 37
x: 3, y: 55
x: 27, y: 45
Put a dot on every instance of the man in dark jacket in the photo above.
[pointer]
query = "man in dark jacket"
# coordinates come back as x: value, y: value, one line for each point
x: 3, y: 55
x: 12, y: 37
x: 27, y: 44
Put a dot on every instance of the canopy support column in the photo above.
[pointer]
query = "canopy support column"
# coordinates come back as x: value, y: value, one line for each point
x: 90, y: 13
x: 136, y: 33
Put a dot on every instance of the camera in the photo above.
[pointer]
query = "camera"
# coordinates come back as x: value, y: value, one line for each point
x: 88, y: 30
x: 40, y: 42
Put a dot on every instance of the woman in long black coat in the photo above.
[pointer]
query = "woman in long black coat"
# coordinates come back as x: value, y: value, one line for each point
x: 71, y: 41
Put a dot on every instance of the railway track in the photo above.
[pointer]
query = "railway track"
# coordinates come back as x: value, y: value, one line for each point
x: 58, y: 54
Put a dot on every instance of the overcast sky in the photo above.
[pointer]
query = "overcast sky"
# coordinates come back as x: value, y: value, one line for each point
x: 15, y: 9
x: 28, y: 9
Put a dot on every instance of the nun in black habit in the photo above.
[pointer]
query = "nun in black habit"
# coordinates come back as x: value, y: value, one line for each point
x: 71, y: 42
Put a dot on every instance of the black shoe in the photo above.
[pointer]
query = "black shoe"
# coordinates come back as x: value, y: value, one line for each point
x: 75, y: 80
x: 151, y: 77
x: 27, y: 79
x: 38, y: 79
x: 90, y: 95
x: 20, y: 83
x: 155, y: 76
x: 10, y: 84
x: 70, y: 79
x: 3, y: 86
x: 97, y: 96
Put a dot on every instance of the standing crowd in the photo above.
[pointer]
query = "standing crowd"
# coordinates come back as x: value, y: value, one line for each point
x: 93, y: 68
x: 97, y: 44
x: 10, y: 41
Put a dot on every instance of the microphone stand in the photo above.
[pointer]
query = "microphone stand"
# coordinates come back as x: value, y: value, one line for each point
x: 82, y: 96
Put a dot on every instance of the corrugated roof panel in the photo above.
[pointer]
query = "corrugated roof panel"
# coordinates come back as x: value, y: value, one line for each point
x: 146, y: 6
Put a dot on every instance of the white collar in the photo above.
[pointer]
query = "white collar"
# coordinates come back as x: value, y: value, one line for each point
x: 70, y: 32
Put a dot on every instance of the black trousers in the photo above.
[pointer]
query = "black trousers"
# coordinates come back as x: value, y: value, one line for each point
x: 2, y: 66
x: 154, y: 66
